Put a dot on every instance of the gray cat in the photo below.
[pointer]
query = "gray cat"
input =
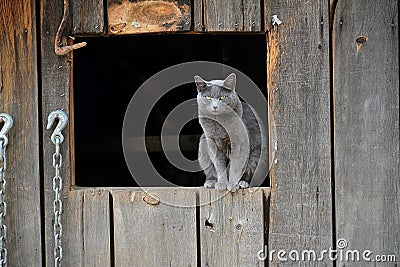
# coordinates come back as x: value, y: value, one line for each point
x: 231, y: 150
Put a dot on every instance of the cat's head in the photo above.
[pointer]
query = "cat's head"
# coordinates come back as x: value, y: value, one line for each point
x: 217, y: 97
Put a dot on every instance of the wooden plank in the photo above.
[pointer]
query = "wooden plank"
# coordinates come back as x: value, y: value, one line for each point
x: 88, y: 17
x: 96, y: 228
x: 86, y: 229
x: 231, y: 227
x: 234, y: 15
x: 155, y: 235
x: 366, y: 88
x: 299, y: 98
x: 56, y: 76
x: 126, y: 17
x: 198, y: 8
x: 73, y: 230
x: 19, y: 98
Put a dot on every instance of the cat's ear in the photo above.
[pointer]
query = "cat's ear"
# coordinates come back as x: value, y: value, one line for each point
x: 200, y: 83
x: 230, y: 82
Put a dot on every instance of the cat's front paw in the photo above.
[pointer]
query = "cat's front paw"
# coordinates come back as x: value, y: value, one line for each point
x: 210, y: 183
x: 232, y: 187
x: 243, y: 184
x: 220, y: 186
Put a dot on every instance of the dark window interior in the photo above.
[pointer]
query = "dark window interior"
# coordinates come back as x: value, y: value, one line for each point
x: 109, y: 70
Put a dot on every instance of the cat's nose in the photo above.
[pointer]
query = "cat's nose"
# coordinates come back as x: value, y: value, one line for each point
x: 214, y: 104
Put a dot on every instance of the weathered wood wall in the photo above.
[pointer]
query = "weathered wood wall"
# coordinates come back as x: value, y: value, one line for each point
x: 19, y: 98
x: 365, y: 41
x: 299, y: 97
x: 334, y: 95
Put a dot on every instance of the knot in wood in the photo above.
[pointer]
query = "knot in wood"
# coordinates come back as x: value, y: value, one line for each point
x: 151, y: 199
x: 361, y: 39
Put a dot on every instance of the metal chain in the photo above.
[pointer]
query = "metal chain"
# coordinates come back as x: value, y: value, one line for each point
x: 8, y: 122
x: 57, y: 204
x: 3, y: 205
x: 57, y: 138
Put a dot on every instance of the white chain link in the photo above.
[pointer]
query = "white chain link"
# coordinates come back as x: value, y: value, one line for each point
x: 57, y: 204
x: 57, y: 138
x: 3, y: 205
x: 8, y: 122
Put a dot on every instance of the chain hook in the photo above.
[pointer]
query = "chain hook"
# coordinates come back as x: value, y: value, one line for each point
x: 62, y: 122
x: 8, y: 123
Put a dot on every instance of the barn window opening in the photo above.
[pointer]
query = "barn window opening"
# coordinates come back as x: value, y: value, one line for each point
x: 106, y: 75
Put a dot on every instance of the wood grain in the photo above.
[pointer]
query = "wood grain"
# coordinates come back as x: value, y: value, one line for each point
x: 56, y: 77
x: 299, y: 98
x: 198, y: 9
x: 88, y: 17
x: 19, y: 98
x: 155, y: 235
x: 366, y: 88
x: 97, y: 228
x: 231, y: 227
x: 127, y: 17
x: 232, y: 16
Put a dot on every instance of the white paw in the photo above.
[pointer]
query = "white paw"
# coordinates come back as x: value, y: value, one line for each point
x: 243, y: 184
x: 220, y: 186
x: 232, y: 187
x: 210, y: 183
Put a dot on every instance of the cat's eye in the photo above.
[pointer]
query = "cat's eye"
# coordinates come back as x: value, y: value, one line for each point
x: 222, y: 97
x: 208, y: 97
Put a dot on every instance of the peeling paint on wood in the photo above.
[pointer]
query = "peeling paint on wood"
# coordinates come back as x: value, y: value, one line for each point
x: 127, y: 17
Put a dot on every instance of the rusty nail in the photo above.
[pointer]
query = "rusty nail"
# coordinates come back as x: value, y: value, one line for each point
x: 63, y: 50
x: 60, y: 67
x: 96, y: 27
x: 341, y: 22
x: 219, y: 24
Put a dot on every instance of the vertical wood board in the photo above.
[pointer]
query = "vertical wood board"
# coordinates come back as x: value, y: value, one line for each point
x: 97, y: 228
x: 231, y: 16
x: 155, y: 235
x: 88, y: 17
x: 56, y: 77
x: 231, y: 227
x: 19, y: 98
x: 299, y: 98
x: 366, y: 88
